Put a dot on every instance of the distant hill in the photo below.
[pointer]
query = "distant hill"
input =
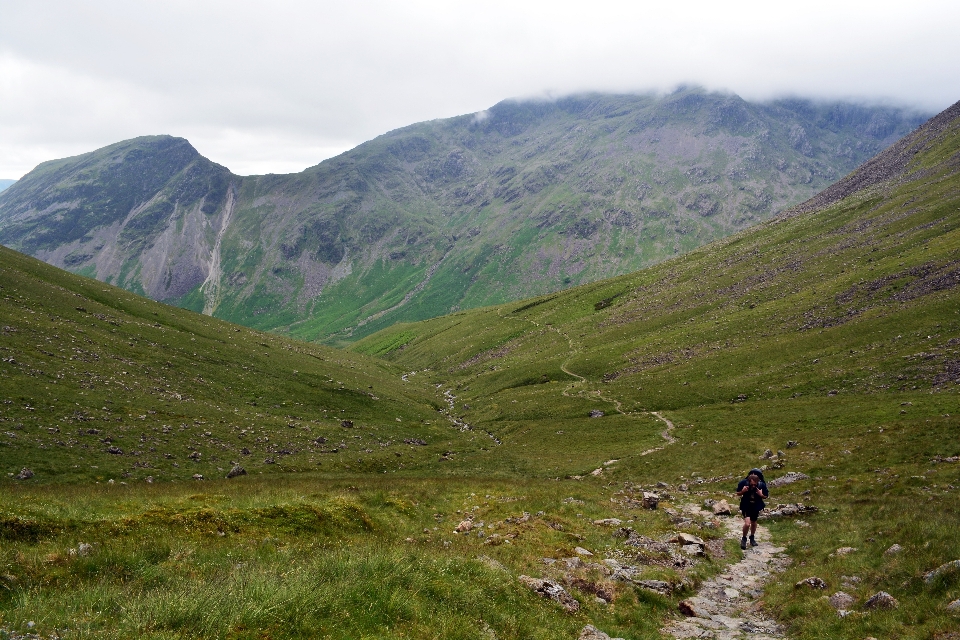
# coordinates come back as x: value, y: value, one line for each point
x: 4, y: 184
x: 522, y: 199
x: 96, y: 382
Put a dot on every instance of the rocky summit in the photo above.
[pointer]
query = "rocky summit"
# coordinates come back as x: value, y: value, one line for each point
x: 518, y: 200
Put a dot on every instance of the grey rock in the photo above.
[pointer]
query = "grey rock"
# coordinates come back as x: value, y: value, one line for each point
x: 893, y: 550
x: 946, y: 568
x: 841, y: 600
x: 689, y: 538
x: 954, y: 607
x: 697, y: 607
x: 650, y: 500
x: 788, y: 478
x: 791, y: 444
x: 812, y: 582
x: 881, y: 600
x: 237, y: 470
x: 596, y: 413
x: 659, y: 586
x: 608, y: 522
x: 722, y: 508
x: 25, y: 474
x: 198, y: 476
x: 590, y: 632
x: 553, y: 591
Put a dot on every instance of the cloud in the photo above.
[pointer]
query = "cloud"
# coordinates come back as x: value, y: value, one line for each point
x: 273, y: 87
x: 480, y: 116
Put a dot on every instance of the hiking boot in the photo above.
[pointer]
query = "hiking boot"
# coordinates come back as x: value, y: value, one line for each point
x: 743, y: 543
x: 753, y: 542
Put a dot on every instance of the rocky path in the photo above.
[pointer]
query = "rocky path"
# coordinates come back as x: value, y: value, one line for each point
x: 727, y: 607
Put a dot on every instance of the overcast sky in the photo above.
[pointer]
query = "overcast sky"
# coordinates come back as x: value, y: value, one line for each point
x: 278, y: 86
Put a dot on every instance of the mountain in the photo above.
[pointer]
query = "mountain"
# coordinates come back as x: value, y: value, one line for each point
x: 519, y: 200
x: 4, y: 184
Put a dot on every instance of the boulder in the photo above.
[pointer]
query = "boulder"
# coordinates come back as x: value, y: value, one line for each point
x: 580, y: 551
x: 198, y: 476
x: 881, y: 600
x: 812, y: 582
x: 722, y: 508
x: 954, y: 607
x: 237, y: 470
x: 596, y: 413
x: 464, y: 526
x: 767, y: 455
x: 946, y: 568
x: 553, y: 591
x: 650, y: 500
x: 843, y: 551
x: 841, y: 600
x: 893, y: 550
x: 25, y: 474
x: 590, y: 632
x: 689, y: 538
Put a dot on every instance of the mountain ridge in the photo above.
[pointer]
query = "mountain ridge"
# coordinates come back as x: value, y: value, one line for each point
x: 521, y: 199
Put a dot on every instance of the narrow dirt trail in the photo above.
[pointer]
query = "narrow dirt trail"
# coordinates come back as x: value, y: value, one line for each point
x: 727, y: 607
x: 665, y: 434
x: 574, y: 349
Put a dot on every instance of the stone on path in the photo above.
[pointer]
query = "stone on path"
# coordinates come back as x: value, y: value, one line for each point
x: 590, y: 632
x: 722, y: 508
x: 689, y: 538
x: 553, y: 591
x: 881, y: 600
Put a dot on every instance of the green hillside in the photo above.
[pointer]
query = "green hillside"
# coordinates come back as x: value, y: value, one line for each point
x: 524, y: 198
x: 88, y: 367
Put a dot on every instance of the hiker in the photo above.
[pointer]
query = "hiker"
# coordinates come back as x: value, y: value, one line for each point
x: 752, y: 490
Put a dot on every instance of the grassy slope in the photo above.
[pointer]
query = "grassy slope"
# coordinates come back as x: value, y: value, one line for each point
x: 839, y: 329
x: 84, y: 362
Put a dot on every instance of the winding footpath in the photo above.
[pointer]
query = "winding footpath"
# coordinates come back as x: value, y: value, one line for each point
x: 727, y: 607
